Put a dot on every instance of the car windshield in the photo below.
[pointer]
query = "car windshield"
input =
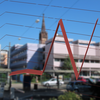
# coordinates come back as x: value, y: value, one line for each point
x: 78, y: 83
x: 71, y: 83
x: 53, y: 79
x: 79, y: 78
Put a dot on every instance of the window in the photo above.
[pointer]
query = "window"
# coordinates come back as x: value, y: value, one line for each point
x: 18, y: 60
x: 70, y: 42
x: 43, y: 56
x: 48, y: 43
x: 83, y: 44
x: 80, y: 60
x: 92, y: 61
x: 93, y: 73
x: 18, y: 53
x: 86, y: 60
x: 84, y: 73
x: 53, y: 79
x: 62, y: 60
x: 76, y: 60
x: 71, y: 83
x: 60, y: 41
x: 96, y: 61
x: 43, y: 49
x: 57, y: 59
x: 79, y: 78
x: 78, y: 83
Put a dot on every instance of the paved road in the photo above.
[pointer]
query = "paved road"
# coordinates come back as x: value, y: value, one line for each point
x: 42, y: 91
x: 20, y: 86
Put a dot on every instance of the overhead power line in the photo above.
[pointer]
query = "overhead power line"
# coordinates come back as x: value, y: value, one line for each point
x: 3, y: 1
x: 48, y: 17
x: 39, y: 16
x: 46, y: 29
x: 17, y: 36
x: 39, y: 40
x: 46, y: 7
x: 55, y: 6
x: 46, y: 53
x: 63, y: 14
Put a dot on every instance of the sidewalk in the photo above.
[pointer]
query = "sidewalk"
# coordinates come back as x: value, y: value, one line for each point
x: 39, y: 93
x: 20, y: 86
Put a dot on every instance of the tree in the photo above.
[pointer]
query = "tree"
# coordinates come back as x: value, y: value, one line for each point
x: 67, y: 64
x: 68, y: 96
x: 0, y: 67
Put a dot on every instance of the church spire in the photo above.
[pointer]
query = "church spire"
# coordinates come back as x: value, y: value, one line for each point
x: 43, y: 36
x: 43, y: 25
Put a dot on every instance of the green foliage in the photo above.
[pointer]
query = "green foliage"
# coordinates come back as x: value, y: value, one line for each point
x: 53, y: 98
x: 67, y: 64
x: 68, y: 96
x: 67, y: 75
x: 92, y: 77
x: 92, y: 98
x: 46, y: 76
x: 3, y: 77
x: 33, y: 76
x: 0, y: 67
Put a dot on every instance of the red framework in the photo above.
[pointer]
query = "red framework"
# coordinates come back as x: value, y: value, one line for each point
x: 37, y: 72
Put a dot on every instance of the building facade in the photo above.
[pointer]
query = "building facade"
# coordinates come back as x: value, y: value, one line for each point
x: 59, y: 52
x: 31, y: 56
x: 26, y: 56
x: 3, y: 58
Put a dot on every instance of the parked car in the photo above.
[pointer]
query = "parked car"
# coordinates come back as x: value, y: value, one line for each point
x: 67, y: 80
x: 51, y: 82
x: 82, y: 79
x: 97, y: 80
x: 78, y: 86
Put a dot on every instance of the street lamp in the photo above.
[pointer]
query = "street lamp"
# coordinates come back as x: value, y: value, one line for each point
x: 36, y: 22
x: 19, y: 38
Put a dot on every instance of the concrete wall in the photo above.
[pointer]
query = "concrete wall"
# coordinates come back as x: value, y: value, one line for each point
x: 78, y: 49
x: 32, y: 55
x: 50, y: 60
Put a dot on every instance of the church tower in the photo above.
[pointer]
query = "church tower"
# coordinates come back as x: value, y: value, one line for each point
x: 43, y: 36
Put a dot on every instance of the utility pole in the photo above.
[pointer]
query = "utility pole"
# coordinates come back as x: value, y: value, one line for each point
x: 9, y: 56
x: 58, y: 81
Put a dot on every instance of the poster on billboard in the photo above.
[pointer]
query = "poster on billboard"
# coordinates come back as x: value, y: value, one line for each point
x: 60, y: 77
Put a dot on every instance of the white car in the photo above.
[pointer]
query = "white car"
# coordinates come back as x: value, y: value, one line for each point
x: 51, y: 82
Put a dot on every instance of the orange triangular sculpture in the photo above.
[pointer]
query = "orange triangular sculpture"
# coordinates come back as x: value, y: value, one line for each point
x: 37, y: 72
